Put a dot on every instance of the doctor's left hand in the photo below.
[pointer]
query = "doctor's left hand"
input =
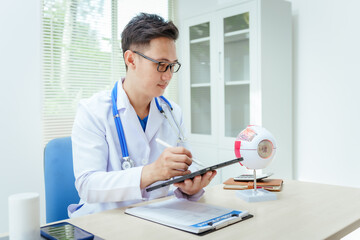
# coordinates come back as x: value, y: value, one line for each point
x: 191, y: 187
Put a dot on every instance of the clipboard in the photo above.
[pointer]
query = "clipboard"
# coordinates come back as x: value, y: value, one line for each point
x: 193, y: 217
x: 194, y: 174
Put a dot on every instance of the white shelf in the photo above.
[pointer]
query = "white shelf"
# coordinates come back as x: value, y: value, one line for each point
x: 194, y: 85
x: 234, y: 33
x: 232, y: 83
x: 199, y: 40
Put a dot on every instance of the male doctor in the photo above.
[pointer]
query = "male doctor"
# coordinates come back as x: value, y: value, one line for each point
x: 148, y: 44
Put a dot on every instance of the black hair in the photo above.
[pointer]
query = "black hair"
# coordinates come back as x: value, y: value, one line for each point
x: 145, y: 27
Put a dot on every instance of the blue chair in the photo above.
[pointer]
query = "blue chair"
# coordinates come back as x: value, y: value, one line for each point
x: 60, y: 188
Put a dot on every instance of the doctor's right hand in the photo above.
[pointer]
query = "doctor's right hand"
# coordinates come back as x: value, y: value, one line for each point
x: 173, y: 161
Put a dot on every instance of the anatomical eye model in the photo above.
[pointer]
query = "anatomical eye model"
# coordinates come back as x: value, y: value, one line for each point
x: 257, y: 147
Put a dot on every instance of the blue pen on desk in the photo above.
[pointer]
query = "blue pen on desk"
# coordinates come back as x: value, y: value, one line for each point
x: 165, y: 144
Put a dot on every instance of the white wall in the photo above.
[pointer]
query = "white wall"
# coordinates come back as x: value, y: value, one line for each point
x: 20, y: 103
x: 326, y: 91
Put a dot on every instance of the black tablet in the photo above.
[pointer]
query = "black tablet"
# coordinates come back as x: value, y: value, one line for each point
x: 194, y: 174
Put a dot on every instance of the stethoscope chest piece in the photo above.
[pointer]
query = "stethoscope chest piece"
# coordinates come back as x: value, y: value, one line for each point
x: 127, y: 163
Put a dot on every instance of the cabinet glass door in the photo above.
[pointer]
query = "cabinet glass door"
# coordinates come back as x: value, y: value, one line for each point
x: 236, y: 73
x: 200, y: 78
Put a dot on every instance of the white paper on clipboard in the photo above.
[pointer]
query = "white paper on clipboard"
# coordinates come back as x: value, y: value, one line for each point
x: 188, y: 216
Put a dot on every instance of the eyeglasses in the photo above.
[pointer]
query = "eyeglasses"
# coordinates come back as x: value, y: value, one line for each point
x: 163, y: 66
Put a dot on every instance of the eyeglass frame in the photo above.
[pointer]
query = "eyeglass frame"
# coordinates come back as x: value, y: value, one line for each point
x: 171, y: 65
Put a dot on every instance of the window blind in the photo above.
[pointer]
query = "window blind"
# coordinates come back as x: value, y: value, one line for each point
x: 82, y: 53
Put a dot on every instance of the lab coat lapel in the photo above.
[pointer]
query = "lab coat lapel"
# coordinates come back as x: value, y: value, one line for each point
x: 122, y: 101
x: 131, y: 120
x: 155, y: 121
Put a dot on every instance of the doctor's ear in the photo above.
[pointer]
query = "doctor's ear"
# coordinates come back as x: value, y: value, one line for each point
x: 129, y: 58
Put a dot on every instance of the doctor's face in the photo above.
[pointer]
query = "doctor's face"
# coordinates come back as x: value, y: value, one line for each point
x: 151, y: 82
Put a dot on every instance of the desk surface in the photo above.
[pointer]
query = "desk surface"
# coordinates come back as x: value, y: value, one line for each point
x: 303, y: 211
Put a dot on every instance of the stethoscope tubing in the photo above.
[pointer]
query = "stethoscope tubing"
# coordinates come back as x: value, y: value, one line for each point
x: 119, y: 126
x: 178, y: 126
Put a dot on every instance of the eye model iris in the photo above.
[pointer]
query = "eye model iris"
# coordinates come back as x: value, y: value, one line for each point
x: 265, y: 149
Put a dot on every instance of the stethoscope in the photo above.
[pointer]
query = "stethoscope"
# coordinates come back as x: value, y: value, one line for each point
x: 127, y: 161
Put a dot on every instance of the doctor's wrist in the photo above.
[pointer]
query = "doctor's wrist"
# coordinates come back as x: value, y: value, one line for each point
x: 148, y: 176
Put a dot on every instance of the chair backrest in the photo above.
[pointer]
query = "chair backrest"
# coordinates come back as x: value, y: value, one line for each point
x: 60, y: 188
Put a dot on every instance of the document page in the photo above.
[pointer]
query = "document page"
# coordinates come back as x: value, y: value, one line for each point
x: 186, y: 215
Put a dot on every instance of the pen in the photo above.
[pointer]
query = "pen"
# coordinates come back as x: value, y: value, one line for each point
x: 165, y: 144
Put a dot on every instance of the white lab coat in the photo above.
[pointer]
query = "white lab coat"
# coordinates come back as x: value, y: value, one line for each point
x: 101, y: 182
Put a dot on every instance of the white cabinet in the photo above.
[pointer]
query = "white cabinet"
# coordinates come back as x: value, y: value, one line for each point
x: 237, y: 72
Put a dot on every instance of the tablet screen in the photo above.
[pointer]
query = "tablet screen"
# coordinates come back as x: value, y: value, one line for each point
x: 194, y: 174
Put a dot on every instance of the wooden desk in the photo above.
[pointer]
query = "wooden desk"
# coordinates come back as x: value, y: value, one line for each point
x: 303, y: 211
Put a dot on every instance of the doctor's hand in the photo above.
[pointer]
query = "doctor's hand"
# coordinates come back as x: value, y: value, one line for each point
x: 173, y: 161
x: 190, y: 187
